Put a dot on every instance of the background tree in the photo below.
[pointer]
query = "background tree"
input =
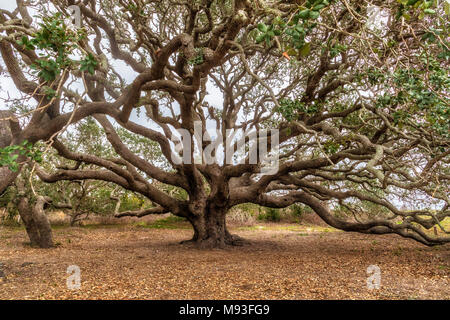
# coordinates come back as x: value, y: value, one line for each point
x: 29, y: 196
x: 360, y: 101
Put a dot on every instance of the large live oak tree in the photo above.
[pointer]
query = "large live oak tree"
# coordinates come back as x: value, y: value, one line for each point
x: 359, y: 96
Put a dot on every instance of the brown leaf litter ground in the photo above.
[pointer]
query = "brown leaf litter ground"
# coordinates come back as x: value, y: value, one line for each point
x: 136, y: 261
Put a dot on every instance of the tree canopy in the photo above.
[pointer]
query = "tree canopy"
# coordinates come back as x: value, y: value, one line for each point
x: 356, y: 90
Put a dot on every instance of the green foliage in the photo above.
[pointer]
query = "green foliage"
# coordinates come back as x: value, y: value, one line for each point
x: 331, y: 147
x: 337, y: 48
x: 9, y: 155
x: 413, y: 97
x: 375, y: 76
x: 87, y: 138
x: 88, y: 64
x: 6, y: 203
x: 248, y: 207
x: 146, y: 148
x: 198, y: 59
x: 419, y: 7
x: 47, y: 69
x: 131, y: 201
x: 171, y: 222
x: 298, y: 210
x: 267, y: 33
x: 290, y: 109
x: 270, y: 214
x: 296, y: 213
x: 293, y: 30
x: 438, y: 37
x: 55, y: 42
x: 49, y: 92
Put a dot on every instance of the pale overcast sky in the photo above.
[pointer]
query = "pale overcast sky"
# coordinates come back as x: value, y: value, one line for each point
x: 8, y: 4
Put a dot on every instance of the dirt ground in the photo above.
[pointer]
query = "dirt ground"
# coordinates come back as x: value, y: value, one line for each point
x: 282, y: 262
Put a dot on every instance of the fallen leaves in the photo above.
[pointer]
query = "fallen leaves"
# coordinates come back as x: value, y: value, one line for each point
x: 126, y: 262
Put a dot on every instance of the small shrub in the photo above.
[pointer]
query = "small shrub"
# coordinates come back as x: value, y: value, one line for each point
x: 241, y: 217
x: 297, y: 211
x: 170, y: 222
x: 172, y: 219
x: 270, y: 214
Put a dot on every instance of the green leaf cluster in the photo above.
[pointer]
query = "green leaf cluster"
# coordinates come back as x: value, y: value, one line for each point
x: 421, y: 7
x: 290, y: 109
x: 56, y: 42
x: 89, y: 64
x: 10, y: 154
x: 293, y: 31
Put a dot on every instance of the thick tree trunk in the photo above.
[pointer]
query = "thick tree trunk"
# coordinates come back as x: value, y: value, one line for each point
x: 8, y: 128
x: 36, y: 223
x: 210, y: 230
x: 41, y: 220
x: 26, y: 215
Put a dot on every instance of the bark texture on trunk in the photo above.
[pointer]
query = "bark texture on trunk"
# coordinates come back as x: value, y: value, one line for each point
x: 36, y: 222
x: 210, y: 230
x: 9, y: 126
x: 43, y: 225
x: 26, y: 215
